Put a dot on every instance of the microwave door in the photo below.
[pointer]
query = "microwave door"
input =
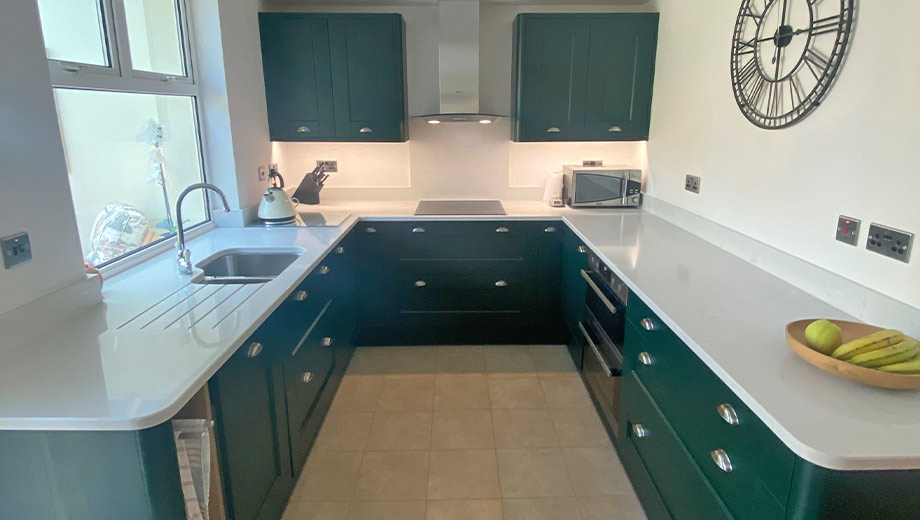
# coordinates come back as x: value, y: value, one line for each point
x: 598, y: 188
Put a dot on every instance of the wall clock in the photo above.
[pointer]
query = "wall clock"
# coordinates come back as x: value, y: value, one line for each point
x: 785, y: 55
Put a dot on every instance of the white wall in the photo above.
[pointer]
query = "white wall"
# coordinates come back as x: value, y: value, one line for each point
x: 449, y: 160
x: 34, y: 192
x: 855, y: 155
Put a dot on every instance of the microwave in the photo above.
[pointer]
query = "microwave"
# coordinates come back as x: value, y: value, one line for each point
x: 602, y: 186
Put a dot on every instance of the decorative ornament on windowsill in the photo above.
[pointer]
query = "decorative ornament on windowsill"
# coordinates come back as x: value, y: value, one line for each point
x: 154, y: 135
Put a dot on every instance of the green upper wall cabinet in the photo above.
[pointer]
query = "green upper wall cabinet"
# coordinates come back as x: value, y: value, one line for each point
x: 334, y: 77
x: 583, y: 77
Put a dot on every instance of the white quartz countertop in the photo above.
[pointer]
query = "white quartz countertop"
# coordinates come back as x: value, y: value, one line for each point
x: 134, y: 361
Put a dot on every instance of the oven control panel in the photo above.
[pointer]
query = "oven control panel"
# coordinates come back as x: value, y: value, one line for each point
x: 610, y: 279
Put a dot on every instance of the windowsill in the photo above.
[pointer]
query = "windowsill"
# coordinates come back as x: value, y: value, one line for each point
x: 155, y: 250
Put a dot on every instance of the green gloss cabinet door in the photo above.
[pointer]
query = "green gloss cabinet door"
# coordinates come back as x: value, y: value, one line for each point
x: 368, y: 77
x: 574, y: 259
x: 583, y: 77
x: 298, y: 76
x: 551, y: 66
x: 621, y: 70
x: 250, y: 415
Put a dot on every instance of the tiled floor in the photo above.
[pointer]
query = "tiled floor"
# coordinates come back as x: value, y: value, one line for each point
x: 463, y: 433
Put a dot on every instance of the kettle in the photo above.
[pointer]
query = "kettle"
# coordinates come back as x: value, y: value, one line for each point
x: 276, y: 206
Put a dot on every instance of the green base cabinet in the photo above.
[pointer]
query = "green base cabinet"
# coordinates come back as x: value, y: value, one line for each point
x: 334, y: 77
x: 681, y: 421
x: 460, y: 282
x: 583, y: 77
x: 574, y: 260
x: 106, y: 475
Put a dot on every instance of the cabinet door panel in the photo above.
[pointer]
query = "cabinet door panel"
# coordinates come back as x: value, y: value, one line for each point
x: 553, y: 68
x: 621, y: 67
x: 298, y: 76
x: 252, y: 434
x: 368, y: 77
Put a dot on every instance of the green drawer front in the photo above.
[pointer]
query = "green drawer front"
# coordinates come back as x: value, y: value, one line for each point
x: 683, y: 488
x: 304, y: 355
x: 760, y: 458
x: 431, y: 294
x: 642, y: 482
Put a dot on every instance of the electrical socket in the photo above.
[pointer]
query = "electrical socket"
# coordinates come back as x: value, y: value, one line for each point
x: 273, y: 166
x: 329, y: 166
x: 890, y: 242
x: 848, y: 230
x: 263, y: 174
x: 692, y: 183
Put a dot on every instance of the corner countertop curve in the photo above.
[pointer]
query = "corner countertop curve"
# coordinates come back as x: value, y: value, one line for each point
x: 135, y: 360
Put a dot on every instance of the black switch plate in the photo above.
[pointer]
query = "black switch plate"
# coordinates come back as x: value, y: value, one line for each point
x: 890, y: 242
x: 16, y: 249
x: 847, y: 230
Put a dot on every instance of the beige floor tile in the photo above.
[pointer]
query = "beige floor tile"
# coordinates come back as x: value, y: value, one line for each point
x: 393, y: 475
x: 540, y: 509
x: 523, y: 429
x: 407, y: 392
x: 461, y: 360
x: 344, y: 431
x: 461, y: 429
x: 552, y: 360
x: 596, y: 472
x: 464, y: 510
x: 400, y: 431
x: 461, y: 392
x: 329, y: 475
x: 412, y: 360
x: 513, y: 359
x: 565, y: 392
x: 533, y: 473
x: 463, y: 474
x: 611, y: 508
x: 404, y: 510
x: 316, y: 511
x: 580, y: 428
x: 358, y: 393
x: 368, y: 360
x: 516, y: 392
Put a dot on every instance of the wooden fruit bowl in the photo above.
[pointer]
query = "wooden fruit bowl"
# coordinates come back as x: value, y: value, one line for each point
x: 795, y: 336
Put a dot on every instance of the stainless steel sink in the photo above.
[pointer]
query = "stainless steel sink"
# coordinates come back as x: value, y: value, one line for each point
x: 245, y: 266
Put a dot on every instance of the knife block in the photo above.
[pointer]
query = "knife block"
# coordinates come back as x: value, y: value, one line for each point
x: 307, y: 193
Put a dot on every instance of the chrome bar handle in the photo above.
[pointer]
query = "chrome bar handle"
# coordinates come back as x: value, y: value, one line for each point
x: 582, y: 249
x: 647, y: 324
x: 324, y: 269
x: 501, y: 283
x: 639, y: 431
x: 299, y: 296
x: 366, y: 130
x: 371, y: 230
x: 553, y: 130
x: 597, y: 353
x: 645, y: 358
x: 597, y: 290
x: 307, y: 377
x: 420, y: 283
x: 418, y: 229
x: 728, y: 414
x: 722, y: 460
x: 255, y: 348
x: 502, y: 229
x: 339, y: 250
x: 550, y: 229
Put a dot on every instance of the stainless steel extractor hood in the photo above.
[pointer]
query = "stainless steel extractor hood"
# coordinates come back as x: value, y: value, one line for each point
x: 458, y: 58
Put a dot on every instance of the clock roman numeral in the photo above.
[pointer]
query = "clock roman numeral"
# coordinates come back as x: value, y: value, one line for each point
x: 757, y: 92
x: 750, y: 12
x: 745, y: 47
x: 831, y: 24
x: 815, y: 62
x: 747, y: 72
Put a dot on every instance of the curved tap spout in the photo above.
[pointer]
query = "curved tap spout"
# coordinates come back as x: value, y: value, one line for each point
x: 184, y: 257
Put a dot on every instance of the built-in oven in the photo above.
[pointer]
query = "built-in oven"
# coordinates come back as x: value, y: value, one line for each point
x: 603, y: 329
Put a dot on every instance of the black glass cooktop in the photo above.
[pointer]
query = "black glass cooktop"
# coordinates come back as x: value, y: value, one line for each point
x: 460, y: 207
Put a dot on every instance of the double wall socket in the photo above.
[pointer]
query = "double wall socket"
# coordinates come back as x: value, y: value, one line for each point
x: 15, y: 249
x: 329, y: 166
x: 692, y: 183
x: 890, y: 242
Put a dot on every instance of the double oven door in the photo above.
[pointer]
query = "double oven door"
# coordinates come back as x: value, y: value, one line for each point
x: 603, y: 329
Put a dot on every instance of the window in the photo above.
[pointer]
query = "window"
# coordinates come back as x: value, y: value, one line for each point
x: 127, y: 106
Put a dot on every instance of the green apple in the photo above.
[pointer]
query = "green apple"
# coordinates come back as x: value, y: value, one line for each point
x: 823, y: 336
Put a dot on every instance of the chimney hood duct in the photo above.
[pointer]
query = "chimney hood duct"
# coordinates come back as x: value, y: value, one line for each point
x: 458, y: 57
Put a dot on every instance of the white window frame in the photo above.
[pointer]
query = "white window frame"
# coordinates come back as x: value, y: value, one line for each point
x: 120, y: 76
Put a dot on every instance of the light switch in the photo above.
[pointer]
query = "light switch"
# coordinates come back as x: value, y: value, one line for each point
x: 847, y: 230
x: 16, y: 250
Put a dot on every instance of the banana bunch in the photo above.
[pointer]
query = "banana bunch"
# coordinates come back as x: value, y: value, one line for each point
x: 885, y: 350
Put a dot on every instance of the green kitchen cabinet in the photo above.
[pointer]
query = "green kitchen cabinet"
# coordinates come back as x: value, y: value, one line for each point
x: 334, y: 77
x: 583, y: 77
x: 461, y: 282
x: 248, y: 397
x: 574, y: 261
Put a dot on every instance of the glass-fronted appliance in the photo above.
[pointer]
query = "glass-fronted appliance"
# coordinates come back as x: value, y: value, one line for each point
x: 603, y: 329
x: 602, y: 186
